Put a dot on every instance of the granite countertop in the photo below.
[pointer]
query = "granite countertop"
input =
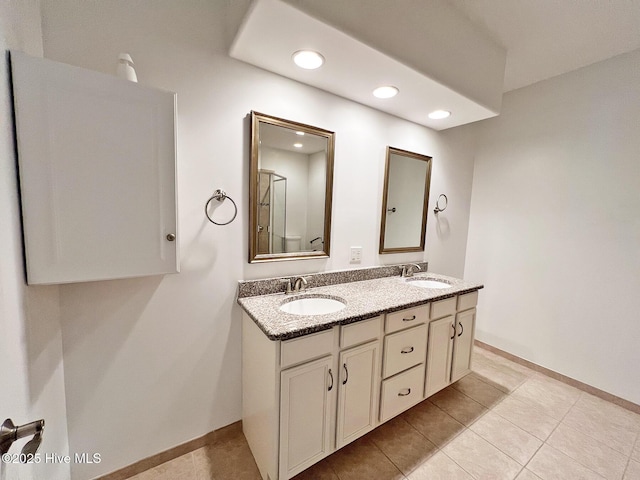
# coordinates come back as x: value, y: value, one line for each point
x: 364, y: 299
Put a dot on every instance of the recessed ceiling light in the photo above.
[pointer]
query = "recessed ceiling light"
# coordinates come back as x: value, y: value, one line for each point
x: 387, y: 91
x: 297, y: 145
x: 299, y: 133
x: 439, y: 114
x: 308, y: 59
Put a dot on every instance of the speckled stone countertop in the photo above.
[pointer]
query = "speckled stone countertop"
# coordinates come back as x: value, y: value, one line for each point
x: 363, y: 299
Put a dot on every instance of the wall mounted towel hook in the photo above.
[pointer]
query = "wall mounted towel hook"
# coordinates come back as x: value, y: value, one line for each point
x: 220, y: 195
x: 438, y: 207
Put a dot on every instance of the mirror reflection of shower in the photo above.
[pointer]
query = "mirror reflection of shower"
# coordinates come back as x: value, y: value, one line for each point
x: 272, y: 212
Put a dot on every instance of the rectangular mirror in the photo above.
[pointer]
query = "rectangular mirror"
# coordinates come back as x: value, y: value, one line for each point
x: 405, y: 201
x: 291, y: 180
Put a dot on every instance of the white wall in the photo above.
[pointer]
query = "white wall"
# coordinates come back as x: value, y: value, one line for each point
x: 555, y: 225
x: 154, y: 362
x: 31, y: 372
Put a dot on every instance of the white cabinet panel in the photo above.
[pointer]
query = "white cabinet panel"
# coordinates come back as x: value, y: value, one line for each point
x: 97, y: 173
x: 359, y: 387
x: 439, y: 351
x: 305, y: 415
x: 463, y: 344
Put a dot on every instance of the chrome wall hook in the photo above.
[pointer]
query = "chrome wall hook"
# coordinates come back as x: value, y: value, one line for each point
x: 438, y: 207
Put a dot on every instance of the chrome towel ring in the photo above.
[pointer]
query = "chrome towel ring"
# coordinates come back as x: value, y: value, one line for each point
x: 438, y: 207
x: 220, y: 196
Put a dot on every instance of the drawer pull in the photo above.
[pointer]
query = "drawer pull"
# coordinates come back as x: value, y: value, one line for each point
x: 404, y: 392
x: 453, y: 325
x: 406, y: 350
x: 346, y: 379
x: 410, y: 319
x: 461, y: 328
x: 330, y: 386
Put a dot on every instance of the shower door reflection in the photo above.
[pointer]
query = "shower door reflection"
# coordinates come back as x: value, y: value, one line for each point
x: 272, y: 212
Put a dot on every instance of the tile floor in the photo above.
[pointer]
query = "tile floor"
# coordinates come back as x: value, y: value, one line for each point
x: 503, y: 421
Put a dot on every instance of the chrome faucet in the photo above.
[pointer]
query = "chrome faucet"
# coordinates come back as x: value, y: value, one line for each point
x: 408, y: 269
x: 297, y: 284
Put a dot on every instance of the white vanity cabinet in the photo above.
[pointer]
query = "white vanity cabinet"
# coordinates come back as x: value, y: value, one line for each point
x: 451, y: 333
x: 97, y: 164
x: 306, y: 397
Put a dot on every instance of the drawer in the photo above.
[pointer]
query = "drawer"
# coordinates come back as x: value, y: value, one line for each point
x: 404, y: 349
x: 467, y: 301
x: 442, y: 308
x: 360, y: 332
x: 406, y: 318
x: 401, y: 392
x: 305, y: 348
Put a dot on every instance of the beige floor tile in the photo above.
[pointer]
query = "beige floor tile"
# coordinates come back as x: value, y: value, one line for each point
x: 461, y: 407
x: 589, y: 452
x: 479, y: 458
x: 229, y: 458
x: 482, y: 392
x: 320, y: 471
x: 362, y: 459
x: 633, y: 471
x: 182, y: 467
x: 480, y: 354
x: 635, y: 454
x: 551, y: 464
x: 439, y: 467
x: 500, y: 376
x: 553, y: 397
x: 507, y: 437
x: 402, y: 444
x: 606, y: 422
x: 526, y: 416
x: 432, y: 422
x: 527, y: 475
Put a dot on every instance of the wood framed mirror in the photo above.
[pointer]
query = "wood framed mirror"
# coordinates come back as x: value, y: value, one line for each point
x: 405, y: 201
x: 290, y: 190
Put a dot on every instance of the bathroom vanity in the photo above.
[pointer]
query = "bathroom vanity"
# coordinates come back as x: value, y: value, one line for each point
x: 313, y: 383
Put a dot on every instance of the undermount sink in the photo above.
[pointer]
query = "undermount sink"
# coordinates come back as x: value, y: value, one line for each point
x: 312, y: 306
x: 427, y: 283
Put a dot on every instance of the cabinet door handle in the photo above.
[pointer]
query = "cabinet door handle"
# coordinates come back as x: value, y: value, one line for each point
x: 406, y: 350
x: 461, y: 328
x: 346, y: 378
x: 453, y: 325
x: 410, y: 319
x: 330, y: 386
x: 404, y: 392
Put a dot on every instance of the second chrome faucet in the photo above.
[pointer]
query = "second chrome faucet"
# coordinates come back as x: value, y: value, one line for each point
x: 296, y: 284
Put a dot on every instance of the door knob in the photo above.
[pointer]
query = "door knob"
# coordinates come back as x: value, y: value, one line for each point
x: 9, y: 433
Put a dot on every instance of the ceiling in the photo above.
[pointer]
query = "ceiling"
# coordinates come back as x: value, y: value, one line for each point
x: 545, y: 38
x: 457, y: 55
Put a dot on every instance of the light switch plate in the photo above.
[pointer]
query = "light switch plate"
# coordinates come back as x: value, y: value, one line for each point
x: 356, y: 255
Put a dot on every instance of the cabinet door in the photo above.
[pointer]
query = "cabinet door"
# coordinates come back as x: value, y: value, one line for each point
x: 97, y: 173
x: 463, y: 343
x: 358, y: 392
x: 439, y: 350
x: 305, y: 408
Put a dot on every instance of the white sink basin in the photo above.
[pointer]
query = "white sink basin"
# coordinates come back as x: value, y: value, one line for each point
x: 312, y: 306
x: 427, y: 283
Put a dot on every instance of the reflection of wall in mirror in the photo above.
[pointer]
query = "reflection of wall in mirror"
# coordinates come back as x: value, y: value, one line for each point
x: 296, y: 168
x: 405, y: 194
x: 315, y: 200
